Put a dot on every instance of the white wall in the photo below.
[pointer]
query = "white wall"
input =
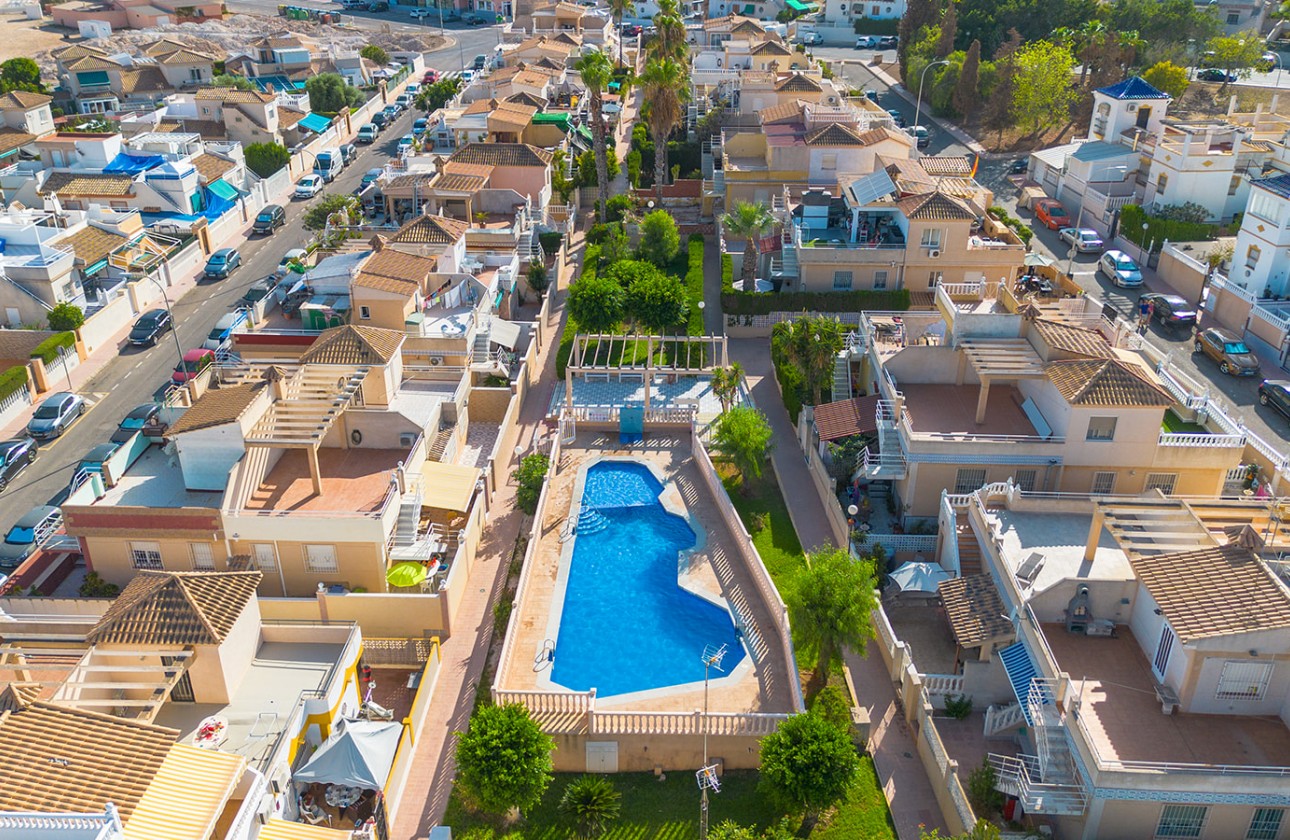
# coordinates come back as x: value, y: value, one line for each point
x: 1137, y: 434
x: 1204, y: 701
x: 207, y: 455
x: 1050, y: 403
x: 1145, y: 624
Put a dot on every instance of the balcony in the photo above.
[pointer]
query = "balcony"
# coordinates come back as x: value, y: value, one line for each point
x: 37, y: 262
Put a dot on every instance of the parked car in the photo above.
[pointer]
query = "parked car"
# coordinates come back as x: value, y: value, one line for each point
x: 194, y: 362
x: 222, y: 263
x: 1120, y: 269
x: 1233, y: 355
x: 1276, y: 393
x: 417, y: 14
x: 141, y: 415
x: 391, y: 113
x: 55, y: 414
x: 405, y: 100
x: 412, y: 89
x: 866, y: 42
x: 368, y: 133
x: 151, y: 326
x: 888, y: 42
x: 430, y: 77
x: 1171, y: 310
x: 897, y: 117
x: 380, y: 120
x: 222, y: 333
x: 922, y: 137
x: 15, y: 456
x: 1020, y: 166
x: 347, y: 153
x: 270, y: 218
x: 258, y: 291
x: 93, y: 460
x: 378, y: 6
x: 812, y: 39
x: 419, y: 126
x: 309, y: 186
x: 1213, y: 74
x: 29, y: 533
x: 369, y: 177
x: 405, y: 142
x: 1085, y: 240
x: 480, y: 62
x: 1050, y: 213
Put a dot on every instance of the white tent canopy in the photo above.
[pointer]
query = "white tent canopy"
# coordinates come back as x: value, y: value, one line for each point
x: 919, y: 577
x: 359, y: 753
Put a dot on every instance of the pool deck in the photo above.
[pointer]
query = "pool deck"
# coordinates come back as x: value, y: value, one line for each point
x: 760, y: 687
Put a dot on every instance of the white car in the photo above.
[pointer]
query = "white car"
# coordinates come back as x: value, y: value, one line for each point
x: 1084, y: 239
x: 419, y: 13
x: 309, y: 186
x: 1120, y: 269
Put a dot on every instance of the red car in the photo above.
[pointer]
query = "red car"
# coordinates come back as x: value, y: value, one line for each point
x: 1051, y: 214
x: 195, y: 361
x: 430, y: 77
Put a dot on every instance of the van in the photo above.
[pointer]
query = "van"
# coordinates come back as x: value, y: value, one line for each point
x: 328, y: 164
x: 270, y: 218
x: 220, y: 335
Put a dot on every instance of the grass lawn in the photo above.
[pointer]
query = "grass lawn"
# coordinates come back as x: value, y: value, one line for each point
x: 1173, y: 424
x: 863, y: 813
x: 776, y: 541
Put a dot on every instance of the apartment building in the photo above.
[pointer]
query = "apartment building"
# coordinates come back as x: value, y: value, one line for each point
x: 176, y: 710
x: 135, y: 14
x: 100, y: 83
x: 975, y: 392
x: 1133, y: 681
x: 562, y: 48
x: 847, y: 13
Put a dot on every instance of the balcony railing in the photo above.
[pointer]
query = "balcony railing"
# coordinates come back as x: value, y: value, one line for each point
x: 1202, y: 440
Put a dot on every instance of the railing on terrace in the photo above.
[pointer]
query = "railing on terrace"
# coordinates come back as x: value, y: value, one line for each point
x: 1114, y: 764
x: 1201, y: 440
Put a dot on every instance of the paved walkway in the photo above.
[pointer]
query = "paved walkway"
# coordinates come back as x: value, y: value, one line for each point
x: 465, y: 653
x: 900, y: 771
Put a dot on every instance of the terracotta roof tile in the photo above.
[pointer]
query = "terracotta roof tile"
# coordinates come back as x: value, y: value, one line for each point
x: 76, y: 51
x: 18, y: 344
x: 934, y: 206
x: 352, y: 345
x: 479, y: 170
x: 66, y: 760
x: 784, y: 112
x: 216, y: 407
x: 945, y: 165
x: 1219, y: 591
x: 975, y: 610
x: 459, y: 183
x: 409, y: 268
x: 882, y: 132
x: 143, y: 79
x: 798, y: 83
x: 92, y: 244
x: 431, y: 230
x: 530, y: 77
x: 393, y: 285
x: 1106, y: 382
x: 834, y: 134
x: 1073, y: 339
x: 234, y: 96
x: 211, y: 167
x: 208, y: 129
x: 24, y: 99
x: 12, y: 138
x: 524, y: 97
x: 80, y: 183
x: 771, y: 47
x: 91, y: 62
x: 502, y: 154
x: 845, y: 418
x: 176, y: 608
x: 288, y: 117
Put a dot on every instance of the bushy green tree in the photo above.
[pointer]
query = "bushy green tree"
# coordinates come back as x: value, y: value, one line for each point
x: 1167, y: 77
x: 66, y: 316
x: 587, y: 167
x: 809, y: 344
x: 829, y: 607
x: 833, y: 705
x: 660, y: 240
x: 627, y: 272
x: 538, y: 278
x: 315, y: 218
x: 658, y: 302
x: 1235, y: 54
x: 20, y: 74
x: 329, y: 93
x: 503, y: 759
x: 807, y: 765
x: 967, y: 91
x: 596, y: 303
x: 592, y: 802
x: 266, y: 158
x: 1043, y: 94
x: 435, y: 96
x: 228, y: 80
x: 742, y: 435
x: 372, y: 52
x: 529, y: 477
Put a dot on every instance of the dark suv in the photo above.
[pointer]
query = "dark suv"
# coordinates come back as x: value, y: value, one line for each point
x: 270, y: 218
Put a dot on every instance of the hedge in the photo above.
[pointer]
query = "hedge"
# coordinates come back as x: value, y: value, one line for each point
x: 877, y: 26
x: 12, y: 380
x: 1158, y: 230
x: 47, y: 350
x: 590, y: 264
x: 727, y: 275
x: 694, y: 283
x: 550, y: 241
x: 760, y: 303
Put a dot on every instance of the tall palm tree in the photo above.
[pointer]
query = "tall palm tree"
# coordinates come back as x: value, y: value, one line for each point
x: 669, y: 38
x: 619, y: 8
x: 748, y: 220
x: 666, y: 88
x: 596, y: 71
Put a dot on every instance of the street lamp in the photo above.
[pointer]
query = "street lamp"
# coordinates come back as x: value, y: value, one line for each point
x: 918, y: 105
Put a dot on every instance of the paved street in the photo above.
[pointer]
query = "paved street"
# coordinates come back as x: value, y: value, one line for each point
x: 138, y: 375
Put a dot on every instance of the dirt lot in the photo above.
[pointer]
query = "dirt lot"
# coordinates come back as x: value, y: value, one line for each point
x: 20, y: 37
x: 1204, y: 100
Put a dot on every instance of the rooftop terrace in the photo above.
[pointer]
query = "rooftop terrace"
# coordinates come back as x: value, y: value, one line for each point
x: 1059, y: 538
x: 353, y: 480
x: 951, y: 410
x: 155, y: 480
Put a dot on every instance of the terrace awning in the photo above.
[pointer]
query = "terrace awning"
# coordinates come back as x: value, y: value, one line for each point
x: 505, y: 333
x: 448, y: 486
x: 223, y: 190
x: 798, y: 6
x: 1021, y: 671
x: 359, y: 753
x: 316, y: 123
x: 187, y: 795
x: 276, y: 829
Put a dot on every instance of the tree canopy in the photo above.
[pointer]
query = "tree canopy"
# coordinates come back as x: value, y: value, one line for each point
x: 435, y: 96
x: 1043, y: 94
x: 373, y: 52
x: 808, y: 764
x: 266, y: 158
x: 596, y: 303
x: 660, y: 239
x: 1168, y: 77
x: 315, y: 218
x: 658, y: 302
x: 329, y: 93
x: 829, y: 607
x: 503, y: 759
x: 743, y: 435
x: 20, y: 74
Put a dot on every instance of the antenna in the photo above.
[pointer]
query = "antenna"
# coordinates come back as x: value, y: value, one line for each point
x: 707, y: 774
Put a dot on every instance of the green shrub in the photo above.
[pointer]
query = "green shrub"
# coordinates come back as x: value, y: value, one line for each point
x: 502, y: 615
x: 727, y: 276
x: 551, y: 241
x: 871, y: 26
x: 12, y: 380
x: 47, y: 350
x: 529, y: 477
x: 833, y: 705
x: 958, y: 706
x: 95, y: 587
x: 1018, y: 227
x: 754, y: 303
x: 982, y: 793
x: 66, y: 316
x: 590, y: 264
x: 694, y: 284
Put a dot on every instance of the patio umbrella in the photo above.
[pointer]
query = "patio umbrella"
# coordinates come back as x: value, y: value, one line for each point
x: 1034, y: 258
x: 406, y: 574
x: 919, y: 577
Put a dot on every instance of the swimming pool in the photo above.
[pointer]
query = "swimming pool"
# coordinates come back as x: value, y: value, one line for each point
x: 626, y: 624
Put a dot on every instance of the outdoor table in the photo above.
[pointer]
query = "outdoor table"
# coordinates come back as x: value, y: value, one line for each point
x: 342, y: 796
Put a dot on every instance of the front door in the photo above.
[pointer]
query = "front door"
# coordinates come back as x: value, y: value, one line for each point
x: 1144, y: 116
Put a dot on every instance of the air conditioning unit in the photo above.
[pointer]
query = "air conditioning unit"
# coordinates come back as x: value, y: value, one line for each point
x: 934, y: 253
x: 436, y: 360
x: 1131, y: 107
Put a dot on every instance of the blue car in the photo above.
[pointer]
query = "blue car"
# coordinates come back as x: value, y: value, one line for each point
x: 222, y: 263
x: 419, y: 127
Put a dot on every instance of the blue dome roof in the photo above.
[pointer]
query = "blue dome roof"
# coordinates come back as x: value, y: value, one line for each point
x: 1134, y: 87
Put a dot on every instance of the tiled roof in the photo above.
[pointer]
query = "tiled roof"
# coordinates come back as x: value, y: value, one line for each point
x: 24, y: 99
x: 479, y: 170
x: 80, y: 183
x: 790, y: 111
x: 834, y: 134
x: 399, y: 265
x: 12, y: 138
x: 76, y: 51
x: 393, y: 285
x: 1280, y: 185
x: 502, y: 154
x: 530, y: 77
x: 92, y: 244
x: 526, y: 98
x: 176, y: 608
x: 798, y: 83
x: 211, y: 167
x: 974, y: 609
x: 287, y: 117
x: 1134, y: 87
x: 18, y: 344
x: 352, y: 345
x: 459, y: 183
x: 568, y: 38
x: 431, y: 230
x: 770, y: 47
x: 410, y: 180
x: 548, y: 62
x: 935, y: 207
x: 1073, y: 339
x: 512, y: 116
x: 182, y: 55
x: 17, y: 696
x: 845, y: 418
x: 1219, y: 591
x: 747, y: 26
x: 882, y: 132
x: 142, y: 79
x: 234, y: 96
x: 483, y: 106
x: 1105, y: 382
x: 91, y: 62
x: 208, y: 129
x: 945, y: 165
x: 66, y: 760
x: 216, y: 407
x: 570, y: 9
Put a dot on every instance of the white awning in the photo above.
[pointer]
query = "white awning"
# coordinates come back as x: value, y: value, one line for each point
x: 505, y: 333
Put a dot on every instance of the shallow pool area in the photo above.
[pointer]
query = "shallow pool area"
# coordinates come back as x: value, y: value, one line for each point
x: 626, y: 623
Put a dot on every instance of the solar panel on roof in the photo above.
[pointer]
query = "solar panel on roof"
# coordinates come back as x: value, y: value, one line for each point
x: 872, y: 187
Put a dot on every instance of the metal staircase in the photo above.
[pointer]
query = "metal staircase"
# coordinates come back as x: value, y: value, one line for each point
x: 842, y: 375
x: 889, y: 460
x: 1047, y: 783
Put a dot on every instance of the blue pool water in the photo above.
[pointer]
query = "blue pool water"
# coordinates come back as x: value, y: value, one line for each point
x: 626, y: 624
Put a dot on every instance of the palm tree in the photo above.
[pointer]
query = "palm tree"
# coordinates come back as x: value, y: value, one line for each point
x: 618, y: 8
x: 750, y: 221
x: 596, y: 72
x: 810, y: 344
x: 666, y: 88
x: 725, y: 384
x: 669, y: 38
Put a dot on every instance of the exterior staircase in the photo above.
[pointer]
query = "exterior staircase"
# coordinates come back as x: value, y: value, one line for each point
x: 440, y: 443
x: 889, y: 460
x: 1047, y: 783
x: 405, y: 530
x: 842, y: 376
x: 529, y: 248
x: 969, y: 551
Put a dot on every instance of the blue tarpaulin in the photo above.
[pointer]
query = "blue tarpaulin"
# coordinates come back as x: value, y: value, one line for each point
x: 133, y: 163
x: 217, y: 205
x: 222, y: 189
x: 316, y: 123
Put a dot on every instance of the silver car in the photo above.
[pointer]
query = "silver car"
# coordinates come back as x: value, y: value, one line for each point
x: 1120, y: 269
x: 55, y: 414
x: 28, y: 534
x: 1085, y: 240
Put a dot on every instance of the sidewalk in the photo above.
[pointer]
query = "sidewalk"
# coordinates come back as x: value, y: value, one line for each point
x: 895, y: 755
x: 465, y: 652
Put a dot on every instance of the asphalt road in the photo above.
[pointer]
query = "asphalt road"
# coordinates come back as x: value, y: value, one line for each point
x: 139, y: 375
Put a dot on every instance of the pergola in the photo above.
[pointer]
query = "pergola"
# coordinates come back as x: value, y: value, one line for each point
x: 113, y: 681
x: 1146, y: 527
x: 645, y: 356
x: 997, y: 359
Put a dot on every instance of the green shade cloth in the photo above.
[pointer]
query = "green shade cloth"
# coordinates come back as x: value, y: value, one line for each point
x: 586, y: 133
x: 561, y: 120
x: 406, y: 574
x: 93, y: 77
x: 799, y: 6
x: 316, y: 123
x: 222, y: 190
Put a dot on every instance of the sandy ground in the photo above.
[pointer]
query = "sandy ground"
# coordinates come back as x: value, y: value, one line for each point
x: 20, y: 37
